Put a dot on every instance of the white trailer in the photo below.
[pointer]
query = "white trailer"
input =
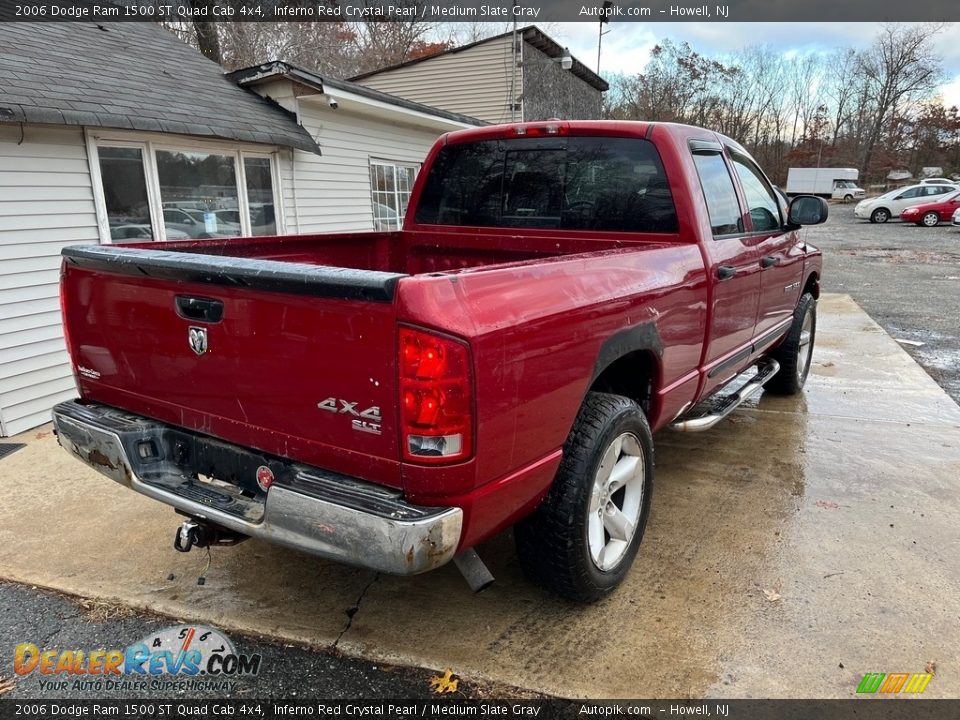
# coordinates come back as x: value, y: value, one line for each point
x: 836, y: 183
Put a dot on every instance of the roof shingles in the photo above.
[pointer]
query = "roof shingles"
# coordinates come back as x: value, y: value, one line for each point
x: 134, y: 76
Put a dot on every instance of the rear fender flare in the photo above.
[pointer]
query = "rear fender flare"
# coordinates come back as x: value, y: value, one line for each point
x: 641, y: 338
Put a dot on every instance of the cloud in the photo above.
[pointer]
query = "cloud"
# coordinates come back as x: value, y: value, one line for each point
x: 626, y: 48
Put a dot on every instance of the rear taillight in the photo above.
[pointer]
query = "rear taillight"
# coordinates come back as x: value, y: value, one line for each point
x: 436, y: 398
x: 63, y: 316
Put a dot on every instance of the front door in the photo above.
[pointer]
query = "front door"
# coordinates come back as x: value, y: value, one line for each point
x: 779, y: 251
x: 734, y: 269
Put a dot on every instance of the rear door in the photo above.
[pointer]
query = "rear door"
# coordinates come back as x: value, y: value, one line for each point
x: 733, y: 266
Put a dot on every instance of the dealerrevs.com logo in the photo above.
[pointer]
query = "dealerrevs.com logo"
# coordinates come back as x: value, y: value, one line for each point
x: 182, y: 657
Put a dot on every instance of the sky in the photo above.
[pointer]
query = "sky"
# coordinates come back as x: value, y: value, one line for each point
x: 626, y: 48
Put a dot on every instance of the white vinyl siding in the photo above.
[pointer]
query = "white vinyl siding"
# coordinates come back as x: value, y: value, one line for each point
x: 46, y: 203
x: 473, y: 82
x: 333, y: 191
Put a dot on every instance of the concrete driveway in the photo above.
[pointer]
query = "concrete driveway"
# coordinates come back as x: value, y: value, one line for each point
x: 794, y: 547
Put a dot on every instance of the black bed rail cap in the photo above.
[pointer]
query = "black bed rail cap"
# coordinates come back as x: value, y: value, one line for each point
x: 271, y: 275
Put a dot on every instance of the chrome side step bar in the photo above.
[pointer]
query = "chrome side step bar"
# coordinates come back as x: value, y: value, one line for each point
x: 711, y: 411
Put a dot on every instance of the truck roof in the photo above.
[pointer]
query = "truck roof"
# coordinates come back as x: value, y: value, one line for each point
x: 621, y: 128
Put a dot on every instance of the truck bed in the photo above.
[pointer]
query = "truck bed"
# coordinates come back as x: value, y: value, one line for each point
x: 402, y: 252
x: 291, y: 325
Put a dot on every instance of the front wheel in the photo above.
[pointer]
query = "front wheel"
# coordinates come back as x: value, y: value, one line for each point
x: 930, y: 219
x: 848, y: 198
x: 581, y: 541
x: 880, y: 215
x: 795, y: 352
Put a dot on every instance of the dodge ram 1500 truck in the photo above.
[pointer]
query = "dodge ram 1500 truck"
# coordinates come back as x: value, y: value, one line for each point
x: 559, y: 291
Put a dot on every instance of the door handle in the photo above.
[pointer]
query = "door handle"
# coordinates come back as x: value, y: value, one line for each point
x: 198, y: 308
x: 769, y: 261
x: 725, y: 272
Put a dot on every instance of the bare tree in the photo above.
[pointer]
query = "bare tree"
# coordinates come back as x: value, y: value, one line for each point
x: 899, y: 67
x: 208, y: 41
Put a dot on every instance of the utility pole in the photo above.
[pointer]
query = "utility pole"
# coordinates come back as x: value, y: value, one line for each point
x: 603, y: 20
x: 513, y: 67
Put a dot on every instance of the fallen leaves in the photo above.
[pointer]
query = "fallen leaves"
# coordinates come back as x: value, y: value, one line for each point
x: 101, y: 610
x: 773, y: 594
x: 828, y: 504
x: 446, y: 683
x: 6, y: 685
x: 930, y: 668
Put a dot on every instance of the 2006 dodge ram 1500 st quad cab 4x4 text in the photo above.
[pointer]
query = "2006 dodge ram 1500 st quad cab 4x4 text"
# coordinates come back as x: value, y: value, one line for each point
x: 558, y: 292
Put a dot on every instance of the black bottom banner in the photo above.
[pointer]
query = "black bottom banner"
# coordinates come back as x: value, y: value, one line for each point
x: 860, y: 709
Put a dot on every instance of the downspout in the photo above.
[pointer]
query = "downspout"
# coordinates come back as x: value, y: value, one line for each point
x: 293, y: 188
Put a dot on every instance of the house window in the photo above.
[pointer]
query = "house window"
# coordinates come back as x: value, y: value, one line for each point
x: 391, y: 184
x: 199, y: 194
x: 125, y: 194
x: 260, y: 195
x: 162, y: 192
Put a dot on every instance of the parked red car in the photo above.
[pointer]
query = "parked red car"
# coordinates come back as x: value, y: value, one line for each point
x: 933, y: 213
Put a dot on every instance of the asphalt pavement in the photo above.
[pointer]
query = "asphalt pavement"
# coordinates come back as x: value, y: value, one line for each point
x: 906, y: 277
x: 51, y: 620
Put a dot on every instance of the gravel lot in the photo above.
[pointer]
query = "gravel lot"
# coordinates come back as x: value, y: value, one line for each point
x: 906, y: 277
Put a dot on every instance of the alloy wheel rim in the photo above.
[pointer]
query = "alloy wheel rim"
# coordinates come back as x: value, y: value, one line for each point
x: 929, y: 219
x: 616, y: 501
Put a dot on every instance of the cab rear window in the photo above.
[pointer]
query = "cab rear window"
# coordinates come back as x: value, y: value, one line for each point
x: 577, y: 183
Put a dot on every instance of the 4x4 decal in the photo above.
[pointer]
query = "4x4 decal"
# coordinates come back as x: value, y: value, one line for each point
x: 367, y: 421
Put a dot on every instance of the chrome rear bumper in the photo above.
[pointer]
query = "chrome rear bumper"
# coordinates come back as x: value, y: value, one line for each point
x: 309, y: 509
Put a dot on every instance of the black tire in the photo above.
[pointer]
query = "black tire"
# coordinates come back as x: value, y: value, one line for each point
x: 848, y: 198
x: 930, y: 219
x: 880, y: 215
x: 553, y: 543
x: 793, y: 358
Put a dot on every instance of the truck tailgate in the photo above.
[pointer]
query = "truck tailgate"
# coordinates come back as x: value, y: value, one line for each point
x: 293, y: 359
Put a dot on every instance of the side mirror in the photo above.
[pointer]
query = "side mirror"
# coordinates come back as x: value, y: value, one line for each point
x: 808, y: 210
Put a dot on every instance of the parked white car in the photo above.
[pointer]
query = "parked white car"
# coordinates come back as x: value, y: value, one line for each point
x: 956, y: 218
x: 891, y: 204
x: 938, y: 181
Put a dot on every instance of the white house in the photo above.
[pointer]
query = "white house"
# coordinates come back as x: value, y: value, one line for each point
x: 121, y: 133
x: 372, y: 144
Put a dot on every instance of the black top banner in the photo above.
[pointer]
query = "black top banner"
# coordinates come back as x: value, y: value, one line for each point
x: 523, y: 11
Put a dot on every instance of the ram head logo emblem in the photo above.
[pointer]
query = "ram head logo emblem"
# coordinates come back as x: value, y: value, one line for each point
x: 198, y: 339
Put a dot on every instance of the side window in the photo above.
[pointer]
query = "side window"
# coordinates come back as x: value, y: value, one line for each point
x: 718, y: 191
x: 764, y: 211
x: 911, y: 193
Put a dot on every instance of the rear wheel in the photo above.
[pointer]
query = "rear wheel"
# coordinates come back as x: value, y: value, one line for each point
x: 930, y: 219
x: 880, y: 215
x: 581, y: 541
x: 795, y: 352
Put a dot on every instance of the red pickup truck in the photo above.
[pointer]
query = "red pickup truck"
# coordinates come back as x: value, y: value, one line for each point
x: 559, y: 291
